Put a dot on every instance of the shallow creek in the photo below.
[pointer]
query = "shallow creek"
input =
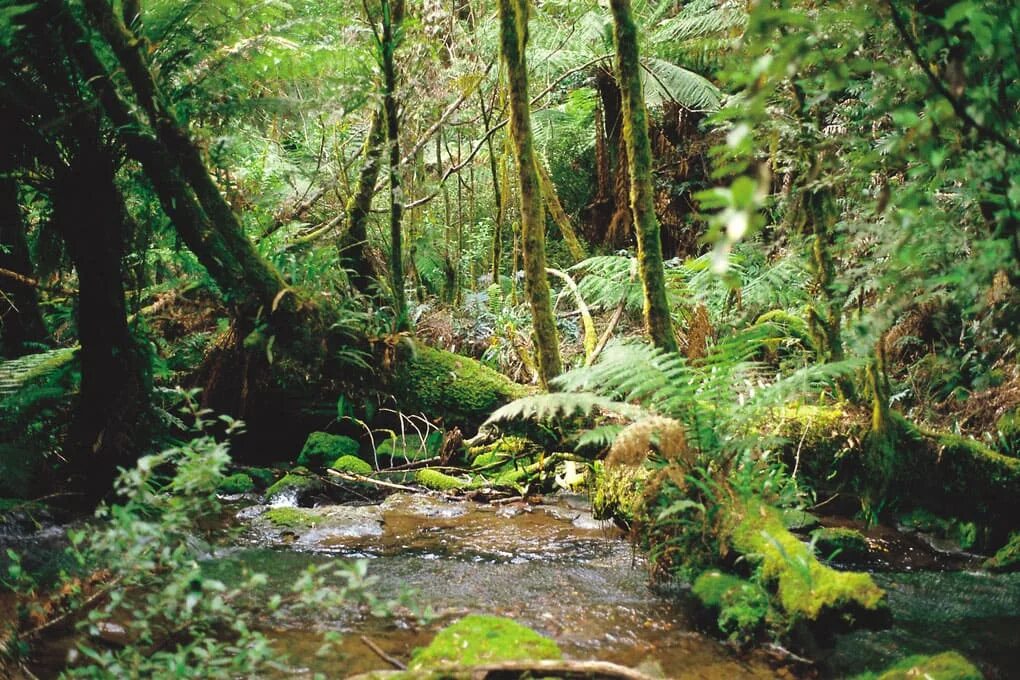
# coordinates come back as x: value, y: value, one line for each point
x: 549, y: 566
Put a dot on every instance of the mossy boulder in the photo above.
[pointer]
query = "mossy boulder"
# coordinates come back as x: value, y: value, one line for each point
x: 263, y: 477
x: 476, y: 640
x: 291, y: 518
x: 841, y: 541
x: 351, y: 464
x: 299, y: 482
x: 1008, y: 557
x: 806, y: 589
x: 321, y: 449
x: 945, y: 666
x: 617, y: 491
x: 236, y: 483
x: 741, y: 607
x: 447, y: 386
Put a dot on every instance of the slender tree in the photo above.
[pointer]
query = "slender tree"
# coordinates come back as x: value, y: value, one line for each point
x: 354, y: 241
x: 513, y: 16
x: 392, y: 18
x: 642, y: 196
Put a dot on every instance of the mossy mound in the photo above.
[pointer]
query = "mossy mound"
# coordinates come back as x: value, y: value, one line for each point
x: 476, y: 640
x: 843, y: 542
x: 291, y: 518
x: 945, y: 666
x: 236, y: 483
x: 299, y: 482
x: 321, y: 449
x: 263, y: 477
x: 351, y: 464
x: 806, y: 589
x: 617, y: 491
x: 447, y: 386
x: 741, y: 607
x: 1008, y: 557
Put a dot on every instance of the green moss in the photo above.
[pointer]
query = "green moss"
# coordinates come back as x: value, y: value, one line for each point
x: 945, y: 666
x: 795, y: 519
x: 236, y: 483
x: 1008, y: 427
x: 849, y: 542
x: 439, y: 481
x: 617, y: 491
x: 352, y: 464
x: 445, y: 385
x: 291, y: 518
x: 964, y: 534
x: 321, y: 449
x: 504, y: 449
x: 742, y: 606
x: 263, y: 477
x: 477, y: 640
x: 805, y: 587
x: 1008, y: 557
x: 299, y: 481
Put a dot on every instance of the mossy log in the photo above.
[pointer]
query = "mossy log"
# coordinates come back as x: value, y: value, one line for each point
x: 448, y: 387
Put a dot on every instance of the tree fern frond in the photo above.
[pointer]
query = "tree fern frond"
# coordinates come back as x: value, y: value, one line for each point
x: 665, y: 81
x: 545, y: 407
x: 698, y: 21
x: 18, y: 372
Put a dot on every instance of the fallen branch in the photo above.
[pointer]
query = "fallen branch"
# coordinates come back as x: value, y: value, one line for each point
x: 393, y: 661
x: 353, y: 477
x: 18, y: 278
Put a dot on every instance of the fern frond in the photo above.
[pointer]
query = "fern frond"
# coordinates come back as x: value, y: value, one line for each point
x: 665, y: 81
x: 698, y: 21
x: 18, y: 372
x: 545, y: 407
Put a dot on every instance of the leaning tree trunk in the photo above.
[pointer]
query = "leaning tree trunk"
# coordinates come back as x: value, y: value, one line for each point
x: 21, y: 322
x: 642, y: 197
x: 514, y: 38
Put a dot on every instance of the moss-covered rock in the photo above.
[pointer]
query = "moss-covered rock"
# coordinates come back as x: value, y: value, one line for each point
x: 291, y: 518
x: 236, y: 483
x: 841, y: 541
x: 444, y: 385
x: 299, y: 482
x: 1008, y: 557
x: 617, y: 491
x: 263, y: 477
x: 351, y: 464
x: 741, y: 607
x: 478, y: 639
x: 321, y: 449
x: 805, y: 587
x: 945, y: 666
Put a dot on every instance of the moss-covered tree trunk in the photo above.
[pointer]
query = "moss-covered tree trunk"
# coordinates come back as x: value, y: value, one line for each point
x: 559, y: 215
x: 21, y: 322
x: 353, y: 244
x: 513, y: 16
x: 393, y: 16
x: 642, y: 197
x: 497, y: 190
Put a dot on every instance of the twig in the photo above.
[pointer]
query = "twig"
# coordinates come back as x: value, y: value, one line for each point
x: 353, y: 477
x: 18, y: 278
x: 393, y: 661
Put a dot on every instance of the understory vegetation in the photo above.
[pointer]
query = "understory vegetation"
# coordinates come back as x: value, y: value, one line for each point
x: 746, y: 275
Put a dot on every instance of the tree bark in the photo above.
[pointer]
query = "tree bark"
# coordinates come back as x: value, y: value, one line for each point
x: 21, y: 322
x: 393, y: 16
x: 355, y: 239
x: 658, y: 323
x: 514, y: 39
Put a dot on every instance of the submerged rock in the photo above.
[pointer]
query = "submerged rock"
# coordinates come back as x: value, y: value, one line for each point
x: 299, y: 483
x: 478, y: 639
x: 318, y: 526
x: 945, y: 666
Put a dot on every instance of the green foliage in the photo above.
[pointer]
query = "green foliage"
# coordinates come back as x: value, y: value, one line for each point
x: 477, y: 640
x: 741, y: 606
x: 1008, y: 556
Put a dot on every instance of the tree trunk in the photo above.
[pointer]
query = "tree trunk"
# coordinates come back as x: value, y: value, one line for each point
x: 514, y: 38
x: 559, y: 215
x: 497, y: 192
x: 21, y: 322
x: 642, y: 197
x: 393, y: 16
x: 355, y: 239
x: 89, y: 212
